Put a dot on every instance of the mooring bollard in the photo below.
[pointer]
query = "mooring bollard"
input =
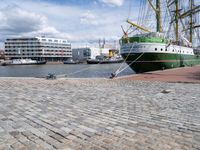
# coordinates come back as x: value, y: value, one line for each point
x: 51, y: 76
x: 112, y: 75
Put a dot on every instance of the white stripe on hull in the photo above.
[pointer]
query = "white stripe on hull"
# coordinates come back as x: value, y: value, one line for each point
x: 155, y: 48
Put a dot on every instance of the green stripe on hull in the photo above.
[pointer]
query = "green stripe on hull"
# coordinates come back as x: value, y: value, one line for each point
x: 144, y: 40
x: 158, y: 61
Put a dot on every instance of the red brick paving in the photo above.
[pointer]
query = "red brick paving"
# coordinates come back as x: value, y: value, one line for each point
x: 183, y: 75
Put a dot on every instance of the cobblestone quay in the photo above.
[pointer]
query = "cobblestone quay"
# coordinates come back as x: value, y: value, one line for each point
x: 95, y: 114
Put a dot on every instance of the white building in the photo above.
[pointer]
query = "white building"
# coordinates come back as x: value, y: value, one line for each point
x: 38, y: 48
x: 84, y: 53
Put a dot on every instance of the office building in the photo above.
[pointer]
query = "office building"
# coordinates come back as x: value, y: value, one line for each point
x: 38, y: 48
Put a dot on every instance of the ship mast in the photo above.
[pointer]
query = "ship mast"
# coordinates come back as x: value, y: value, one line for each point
x: 177, y: 17
x: 177, y: 20
x: 190, y: 13
x: 157, y: 10
x: 191, y: 20
x: 158, y: 14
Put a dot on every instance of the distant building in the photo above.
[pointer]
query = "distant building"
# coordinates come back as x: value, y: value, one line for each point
x: 81, y: 54
x: 38, y: 48
x: 84, y: 53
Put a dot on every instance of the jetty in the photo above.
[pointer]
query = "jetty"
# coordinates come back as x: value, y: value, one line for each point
x: 177, y: 75
x: 119, y: 114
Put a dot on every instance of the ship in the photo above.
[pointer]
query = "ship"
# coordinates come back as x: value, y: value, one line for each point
x: 23, y: 62
x: 105, y: 60
x: 149, y: 51
x: 70, y: 62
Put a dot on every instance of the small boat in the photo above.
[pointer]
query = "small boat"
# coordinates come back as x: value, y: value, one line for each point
x: 105, y: 61
x: 23, y: 62
x: 70, y: 61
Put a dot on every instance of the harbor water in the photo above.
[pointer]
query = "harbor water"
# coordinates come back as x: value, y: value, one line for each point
x: 71, y: 71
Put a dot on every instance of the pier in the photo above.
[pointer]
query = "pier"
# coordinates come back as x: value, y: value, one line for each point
x: 176, y: 75
x: 85, y: 114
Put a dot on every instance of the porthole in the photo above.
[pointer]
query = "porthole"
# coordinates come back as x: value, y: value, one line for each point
x: 155, y: 49
x: 165, y: 49
x: 161, y: 49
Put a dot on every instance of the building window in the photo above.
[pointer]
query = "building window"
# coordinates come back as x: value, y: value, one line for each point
x: 43, y: 39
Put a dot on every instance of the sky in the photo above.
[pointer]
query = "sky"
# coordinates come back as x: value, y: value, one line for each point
x: 78, y: 21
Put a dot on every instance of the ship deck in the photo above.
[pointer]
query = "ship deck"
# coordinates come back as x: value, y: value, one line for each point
x: 177, y: 75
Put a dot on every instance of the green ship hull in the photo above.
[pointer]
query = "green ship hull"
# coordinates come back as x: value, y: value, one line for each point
x: 159, y: 61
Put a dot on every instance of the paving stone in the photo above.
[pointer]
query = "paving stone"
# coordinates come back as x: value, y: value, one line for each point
x: 98, y: 114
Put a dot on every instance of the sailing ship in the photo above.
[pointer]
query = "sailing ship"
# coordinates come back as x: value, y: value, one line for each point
x: 150, y: 51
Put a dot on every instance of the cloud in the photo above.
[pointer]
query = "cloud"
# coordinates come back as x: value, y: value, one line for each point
x: 113, y: 2
x: 16, y: 22
x: 74, y: 22
x: 88, y: 18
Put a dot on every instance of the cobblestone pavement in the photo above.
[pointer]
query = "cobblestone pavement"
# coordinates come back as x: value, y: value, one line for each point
x: 83, y: 114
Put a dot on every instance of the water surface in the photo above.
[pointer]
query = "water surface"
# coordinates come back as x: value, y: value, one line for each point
x: 73, y: 71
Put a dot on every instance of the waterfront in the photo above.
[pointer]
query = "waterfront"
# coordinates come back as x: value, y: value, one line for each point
x: 97, y: 114
x: 73, y: 71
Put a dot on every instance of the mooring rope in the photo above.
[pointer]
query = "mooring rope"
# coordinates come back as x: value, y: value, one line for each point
x: 75, y: 72
x: 125, y: 59
x: 116, y: 73
x: 118, y: 70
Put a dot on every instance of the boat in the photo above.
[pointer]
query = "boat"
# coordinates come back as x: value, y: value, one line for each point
x: 162, y: 49
x: 95, y: 61
x: 105, y: 60
x: 23, y: 62
x: 70, y: 61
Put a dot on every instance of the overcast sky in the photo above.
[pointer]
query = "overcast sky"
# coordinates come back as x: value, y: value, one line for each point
x: 76, y: 20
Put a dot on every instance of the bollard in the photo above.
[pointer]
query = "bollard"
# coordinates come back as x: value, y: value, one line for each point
x: 51, y: 76
x: 112, y: 75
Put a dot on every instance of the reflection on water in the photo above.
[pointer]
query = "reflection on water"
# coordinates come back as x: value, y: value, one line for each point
x: 74, y: 71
